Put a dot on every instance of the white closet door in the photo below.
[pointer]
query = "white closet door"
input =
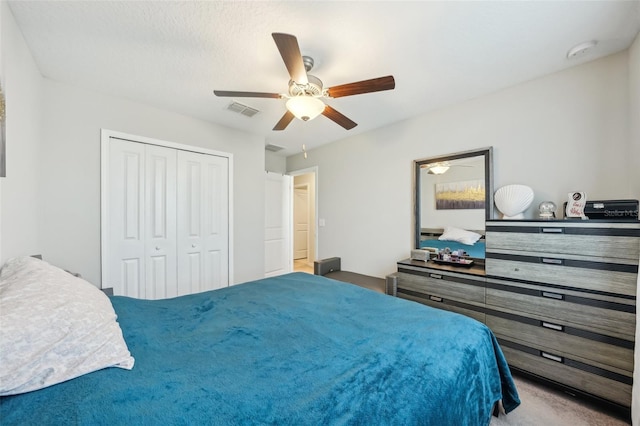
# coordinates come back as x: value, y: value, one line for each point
x: 160, y: 222
x: 203, y: 222
x: 126, y: 250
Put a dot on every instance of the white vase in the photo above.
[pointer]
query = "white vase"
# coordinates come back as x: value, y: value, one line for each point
x: 513, y: 200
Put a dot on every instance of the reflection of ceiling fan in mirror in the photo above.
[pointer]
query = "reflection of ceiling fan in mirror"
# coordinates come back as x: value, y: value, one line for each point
x: 305, y: 90
x: 441, y: 167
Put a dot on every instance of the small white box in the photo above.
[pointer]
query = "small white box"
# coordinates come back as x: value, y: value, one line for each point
x: 418, y: 254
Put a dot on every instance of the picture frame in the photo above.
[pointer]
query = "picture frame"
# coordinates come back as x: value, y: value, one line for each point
x: 468, y: 194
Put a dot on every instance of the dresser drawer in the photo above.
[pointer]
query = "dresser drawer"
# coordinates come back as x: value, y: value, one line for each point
x: 565, y: 341
x: 617, y: 241
x: 607, y: 317
x: 443, y: 285
x: 616, y: 388
x: 448, y: 305
x: 597, y: 276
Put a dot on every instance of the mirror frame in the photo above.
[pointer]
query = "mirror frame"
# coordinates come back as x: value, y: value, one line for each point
x: 488, y: 183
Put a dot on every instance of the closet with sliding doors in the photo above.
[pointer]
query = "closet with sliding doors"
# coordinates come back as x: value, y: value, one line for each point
x: 165, y: 217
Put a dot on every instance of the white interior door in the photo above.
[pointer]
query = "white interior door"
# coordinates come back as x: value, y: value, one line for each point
x: 277, y: 240
x: 301, y: 223
x: 125, y: 221
x: 203, y: 222
x: 160, y: 222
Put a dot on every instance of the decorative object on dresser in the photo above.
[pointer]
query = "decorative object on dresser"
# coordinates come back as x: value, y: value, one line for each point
x: 453, y: 257
x: 561, y: 298
x: 513, y: 200
x: 576, y: 204
x: 547, y: 210
x: 420, y: 254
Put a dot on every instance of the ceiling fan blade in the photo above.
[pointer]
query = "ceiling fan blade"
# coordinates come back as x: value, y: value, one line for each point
x: 284, y: 121
x: 360, y: 87
x: 339, y: 118
x: 290, y: 52
x: 246, y: 94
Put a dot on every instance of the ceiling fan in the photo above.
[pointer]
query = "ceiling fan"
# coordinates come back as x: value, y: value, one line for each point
x: 305, y: 90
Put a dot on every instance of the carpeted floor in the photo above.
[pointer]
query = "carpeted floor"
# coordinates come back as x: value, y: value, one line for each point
x: 543, y: 406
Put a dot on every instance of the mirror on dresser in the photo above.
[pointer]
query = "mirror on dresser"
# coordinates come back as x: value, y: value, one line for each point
x: 453, y: 191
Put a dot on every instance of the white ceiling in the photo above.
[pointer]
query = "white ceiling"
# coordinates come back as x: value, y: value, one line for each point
x: 173, y: 54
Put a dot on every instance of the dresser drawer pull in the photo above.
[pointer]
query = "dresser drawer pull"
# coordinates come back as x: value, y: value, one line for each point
x: 435, y: 298
x: 436, y: 276
x: 551, y: 261
x: 552, y: 230
x: 555, y: 358
x: 552, y: 326
x: 553, y: 295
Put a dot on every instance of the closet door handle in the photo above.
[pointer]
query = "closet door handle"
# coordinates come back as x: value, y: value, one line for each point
x: 157, y: 248
x: 193, y: 246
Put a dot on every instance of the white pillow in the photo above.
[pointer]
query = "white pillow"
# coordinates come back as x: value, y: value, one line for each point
x: 53, y: 327
x: 460, y: 235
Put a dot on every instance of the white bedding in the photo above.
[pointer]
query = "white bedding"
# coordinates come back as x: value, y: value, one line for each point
x: 53, y: 327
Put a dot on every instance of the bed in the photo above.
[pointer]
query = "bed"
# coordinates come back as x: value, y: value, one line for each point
x: 472, y: 242
x: 294, y: 349
x: 477, y: 250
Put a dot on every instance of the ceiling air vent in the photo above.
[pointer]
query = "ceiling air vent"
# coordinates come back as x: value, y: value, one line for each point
x: 273, y: 148
x: 242, y: 109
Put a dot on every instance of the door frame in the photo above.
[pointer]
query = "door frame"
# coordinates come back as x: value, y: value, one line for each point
x: 309, y: 170
x: 105, y: 136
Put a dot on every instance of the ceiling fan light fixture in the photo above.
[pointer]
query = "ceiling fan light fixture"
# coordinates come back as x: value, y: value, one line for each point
x: 305, y: 107
x: 438, y: 169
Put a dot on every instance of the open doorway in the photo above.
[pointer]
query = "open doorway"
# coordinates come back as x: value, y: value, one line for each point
x: 304, y: 213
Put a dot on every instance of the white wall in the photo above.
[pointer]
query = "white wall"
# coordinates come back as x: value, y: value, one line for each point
x: 564, y: 132
x: 19, y: 201
x: 70, y: 170
x: 274, y: 163
x: 50, y: 199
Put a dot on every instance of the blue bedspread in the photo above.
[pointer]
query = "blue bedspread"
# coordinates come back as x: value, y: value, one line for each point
x: 292, y: 350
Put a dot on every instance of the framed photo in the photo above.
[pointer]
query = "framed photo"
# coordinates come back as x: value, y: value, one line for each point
x: 468, y: 194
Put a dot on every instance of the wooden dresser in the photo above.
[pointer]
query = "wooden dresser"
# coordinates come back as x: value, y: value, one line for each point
x: 561, y: 298
x: 457, y: 289
x: 559, y: 295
